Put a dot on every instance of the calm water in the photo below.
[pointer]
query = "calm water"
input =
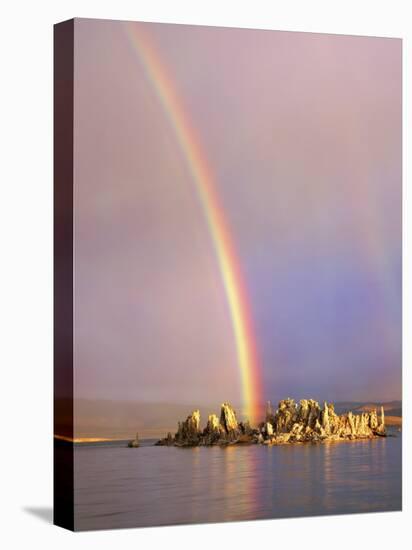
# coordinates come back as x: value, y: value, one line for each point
x: 121, y: 487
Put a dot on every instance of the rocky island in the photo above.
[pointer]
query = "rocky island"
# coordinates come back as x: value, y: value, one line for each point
x: 291, y: 422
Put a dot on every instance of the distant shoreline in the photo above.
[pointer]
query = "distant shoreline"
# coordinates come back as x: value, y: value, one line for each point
x: 395, y: 421
x: 85, y: 439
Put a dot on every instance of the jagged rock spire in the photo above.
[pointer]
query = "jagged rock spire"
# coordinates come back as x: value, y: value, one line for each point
x: 228, y: 418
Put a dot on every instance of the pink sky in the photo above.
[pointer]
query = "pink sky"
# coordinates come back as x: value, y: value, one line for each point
x: 303, y: 134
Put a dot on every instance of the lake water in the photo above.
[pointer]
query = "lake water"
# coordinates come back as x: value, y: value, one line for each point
x: 120, y: 487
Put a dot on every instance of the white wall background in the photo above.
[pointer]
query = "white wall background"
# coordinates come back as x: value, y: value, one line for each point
x: 26, y: 268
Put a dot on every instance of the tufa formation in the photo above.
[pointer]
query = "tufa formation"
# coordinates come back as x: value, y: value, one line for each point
x: 134, y: 442
x: 307, y: 421
x: 289, y: 423
x: 225, y: 430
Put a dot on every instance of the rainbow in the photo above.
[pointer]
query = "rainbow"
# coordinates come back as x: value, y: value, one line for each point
x: 202, y: 176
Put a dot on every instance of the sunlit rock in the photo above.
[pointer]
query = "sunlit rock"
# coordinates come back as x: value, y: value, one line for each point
x: 290, y: 423
x: 228, y: 418
x: 268, y: 429
x: 308, y: 422
x: 380, y: 430
x: 188, y: 432
x: 325, y: 418
x: 213, y: 424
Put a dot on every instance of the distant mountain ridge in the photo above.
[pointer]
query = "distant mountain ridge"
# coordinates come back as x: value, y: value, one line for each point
x: 360, y: 406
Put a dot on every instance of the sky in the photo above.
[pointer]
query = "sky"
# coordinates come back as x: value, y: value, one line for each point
x: 302, y: 133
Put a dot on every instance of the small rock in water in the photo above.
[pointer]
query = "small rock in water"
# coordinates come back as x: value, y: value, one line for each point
x: 134, y: 442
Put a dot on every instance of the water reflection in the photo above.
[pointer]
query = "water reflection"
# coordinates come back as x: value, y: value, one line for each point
x: 157, y: 486
x: 240, y: 483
